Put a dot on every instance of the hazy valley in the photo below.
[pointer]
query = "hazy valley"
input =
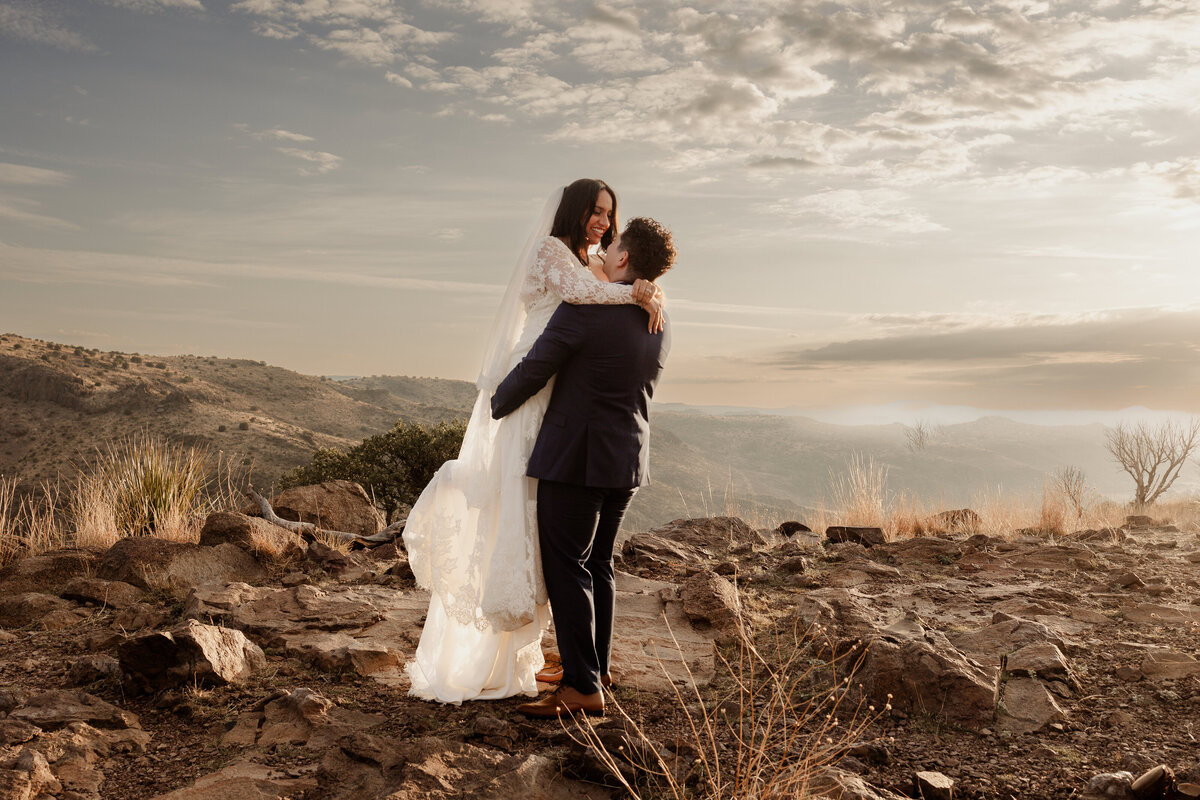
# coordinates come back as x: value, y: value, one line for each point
x: 59, y: 403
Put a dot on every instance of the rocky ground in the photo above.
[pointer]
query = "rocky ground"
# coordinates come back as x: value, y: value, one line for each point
x: 1017, y: 667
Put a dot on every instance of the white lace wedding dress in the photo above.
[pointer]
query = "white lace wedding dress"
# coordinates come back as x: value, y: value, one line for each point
x: 472, y: 534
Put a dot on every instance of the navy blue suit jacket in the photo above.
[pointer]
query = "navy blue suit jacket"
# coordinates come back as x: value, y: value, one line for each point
x: 596, y: 431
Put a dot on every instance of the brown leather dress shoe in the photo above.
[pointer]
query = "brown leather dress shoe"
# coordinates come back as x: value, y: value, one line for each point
x: 565, y: 700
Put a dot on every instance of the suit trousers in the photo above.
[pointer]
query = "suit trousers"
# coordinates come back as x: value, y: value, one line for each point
x: 577, y: 527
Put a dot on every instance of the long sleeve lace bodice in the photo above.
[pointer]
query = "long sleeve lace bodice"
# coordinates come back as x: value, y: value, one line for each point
x: 557, y: 272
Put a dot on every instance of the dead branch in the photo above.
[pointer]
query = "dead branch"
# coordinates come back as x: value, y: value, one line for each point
x: 309, y: 529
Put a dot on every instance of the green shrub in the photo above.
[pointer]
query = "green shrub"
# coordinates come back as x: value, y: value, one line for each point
x: 393, y: 467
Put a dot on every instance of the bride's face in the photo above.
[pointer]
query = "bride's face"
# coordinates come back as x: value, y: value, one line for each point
x: 597, y: 221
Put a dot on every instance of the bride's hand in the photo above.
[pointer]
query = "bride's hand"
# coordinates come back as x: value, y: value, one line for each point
x: 650, y: 296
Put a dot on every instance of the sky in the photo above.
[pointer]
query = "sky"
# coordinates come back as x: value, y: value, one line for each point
x: 911, y: 205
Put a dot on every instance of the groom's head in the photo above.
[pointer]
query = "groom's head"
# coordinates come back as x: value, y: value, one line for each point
x: 643, y: 250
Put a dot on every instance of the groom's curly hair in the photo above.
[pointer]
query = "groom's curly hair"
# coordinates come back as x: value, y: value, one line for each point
x: 650, y: 247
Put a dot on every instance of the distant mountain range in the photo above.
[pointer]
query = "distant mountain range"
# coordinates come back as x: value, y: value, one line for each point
x: 59, y: 403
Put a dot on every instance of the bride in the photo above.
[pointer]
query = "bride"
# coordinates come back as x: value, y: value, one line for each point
x: 472, y: 535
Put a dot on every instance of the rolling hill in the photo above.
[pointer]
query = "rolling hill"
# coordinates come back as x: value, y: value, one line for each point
x: 59, y: 403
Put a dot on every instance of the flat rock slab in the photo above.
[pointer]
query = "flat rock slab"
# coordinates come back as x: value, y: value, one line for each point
x: 1156, y: 614
x: 1061, y: 557
x: 45, y: 572
x: 1004, y: 637
x: 370, y: 630
x: 148, y: 562
x: 244, y: 780
x: 109, y: 594
x: 1169, y: 665
x: 374, y: 631
x: 365, y: 766
x: 1027, y: 706
x: 301, y: 717
x: 54, y: 709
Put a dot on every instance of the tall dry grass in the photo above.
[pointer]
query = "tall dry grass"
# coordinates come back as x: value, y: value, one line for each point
x: 136, y: 486
x: 859, y: 495
x: 777, y: 721
x: 30, y: 524
x: 142, y: 484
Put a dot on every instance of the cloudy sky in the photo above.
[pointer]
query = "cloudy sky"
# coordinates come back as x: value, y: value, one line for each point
x: 991, y: 204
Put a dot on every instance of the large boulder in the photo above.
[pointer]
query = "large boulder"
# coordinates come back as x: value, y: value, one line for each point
x: 926, y: 675
x: 838, y: 618
x: 38, y: 781
x: 690, y: 540
x: 1041, y: 660
x: 30, y: 608
x: 149, y: 562
x: 919, y: 550
x: 1004, y: 637
x: 1169, y: 665
x: 190, y: 653
x: 712, y: 603
x: 108, y: 594
x: 855, y: 534
x: 643, y: 548
x: 54, y: 709
x: 253, y: 534
x: 716, y: 534
x: 1026, y: 706
x: 333, y: 505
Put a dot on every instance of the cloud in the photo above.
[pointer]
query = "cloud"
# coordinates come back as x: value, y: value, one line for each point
x: 885, y: 210
x: 1105, y: 337
x: 1180, y: 177
x: 618, y: 19
x: 21, y: 175
x: 158, y: 5
x: 321, y: 162
x: 277, y: 133
x: 86, y: 268
x: 374, y: 32
x: 24, y: 212
x: 1105, y: 359
x: 35, y: 23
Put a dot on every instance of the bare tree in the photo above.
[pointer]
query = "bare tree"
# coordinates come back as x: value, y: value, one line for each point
x: 1072, y: 484
x: 920, y: 433
x: 1153, y: 456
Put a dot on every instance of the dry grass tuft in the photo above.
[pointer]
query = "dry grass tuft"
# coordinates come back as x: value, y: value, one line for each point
x: 137, y: 486
x: 780, y: 721
x: 860, y: 493
x: 29, y: 524
x: 142, y: 485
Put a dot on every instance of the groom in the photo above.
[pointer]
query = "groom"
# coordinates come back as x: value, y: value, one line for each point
x: 592, y: 453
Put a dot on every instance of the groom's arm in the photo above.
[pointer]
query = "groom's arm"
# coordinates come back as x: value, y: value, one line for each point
x: 564, y: 334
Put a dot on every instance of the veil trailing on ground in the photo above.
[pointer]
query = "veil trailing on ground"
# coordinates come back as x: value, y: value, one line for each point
x: 510, y: 318
x: 472, y: 534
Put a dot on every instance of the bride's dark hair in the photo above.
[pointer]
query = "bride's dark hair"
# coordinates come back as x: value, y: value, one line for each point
x: 578, y: 202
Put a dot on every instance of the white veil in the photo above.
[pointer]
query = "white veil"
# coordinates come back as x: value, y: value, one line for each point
x: 510, y: 318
